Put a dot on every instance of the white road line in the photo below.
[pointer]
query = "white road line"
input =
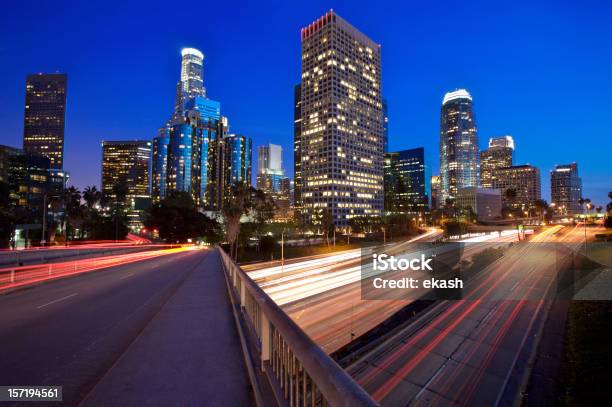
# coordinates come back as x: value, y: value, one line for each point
x: 126, y: 276
x: 58, y: 300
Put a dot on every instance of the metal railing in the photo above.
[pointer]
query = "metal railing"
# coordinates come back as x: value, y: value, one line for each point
x: 305, y: 375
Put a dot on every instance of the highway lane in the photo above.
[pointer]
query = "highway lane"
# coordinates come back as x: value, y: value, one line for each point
x: 70, y: 332
x: 467, y: 352
x: 323, y: 293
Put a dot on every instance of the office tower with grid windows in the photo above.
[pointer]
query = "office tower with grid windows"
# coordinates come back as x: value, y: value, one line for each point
x: 520, y: 186
x: 45, y: 114
x: 297, y: 148
x: 565, y: 189
x: 126, y: 163
x: 341, y: 136
x: 459, y: 158
x: 498, y: 155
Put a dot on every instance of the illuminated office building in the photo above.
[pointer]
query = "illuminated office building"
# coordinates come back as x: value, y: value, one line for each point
x: 435, y: 192
x: 126, y: 163
x: 45, y: 113
x: 188, y: 154
x: 238, y: 154
x: 407, y: 182
x: 270, y: 170
x: 566, y: 189
x: 385, y: 126
x: 195, y: 158
x: 498, y: 155
x: 524, y: 183
x: 6, y: 155
x: 297, y: 147
x: 191, y: 83
x: 341, y: 137
x: 271, y: 175
x: 459, y: 160
x: 159, y: 163
x: 29, y: 179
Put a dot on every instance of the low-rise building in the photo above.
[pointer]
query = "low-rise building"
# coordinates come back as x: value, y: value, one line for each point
x: 486, y: 203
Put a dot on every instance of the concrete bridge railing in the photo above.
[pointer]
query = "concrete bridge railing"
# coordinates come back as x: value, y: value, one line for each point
x: 303, y: 374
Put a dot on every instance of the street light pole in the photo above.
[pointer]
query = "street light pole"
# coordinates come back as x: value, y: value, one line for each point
x: 43, y: 241
x: 282, y: 250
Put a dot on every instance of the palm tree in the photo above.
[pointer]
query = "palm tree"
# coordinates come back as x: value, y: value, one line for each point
x: 92, y: 196
x: 540, y: 205
x: 70, y: 199
x: 237, y: 203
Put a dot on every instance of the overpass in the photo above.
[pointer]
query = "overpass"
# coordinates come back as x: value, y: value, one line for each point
x: 188, y: 327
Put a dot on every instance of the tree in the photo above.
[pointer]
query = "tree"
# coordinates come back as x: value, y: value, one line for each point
x: 237, y: 204
x: 91, y: 196
x: 262, y: 207
x: 177, y: 220
x: 7, y: 216
x: 541, y: 205
x: 70, y: 199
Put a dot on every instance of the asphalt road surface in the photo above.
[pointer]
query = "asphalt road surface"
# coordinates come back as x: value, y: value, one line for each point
x: 76, y: 332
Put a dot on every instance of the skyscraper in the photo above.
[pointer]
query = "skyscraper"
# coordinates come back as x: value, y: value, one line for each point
x: 566, y: 189
x: 341, y: 135
x: 193, y: 159
x: 270, y: 170
x: 271, y: 175
x: 435, y: 192
x: 159, y: 163
x: 519, y: 185
x: 385, y: 126
x: 45, y: 113
x: 459, y: 161
x: 238, y: 154
x: 297, y: 147
x: 192, y: 80
x: 498, y: 155
x: 407, y: 182
x: 126, y: 163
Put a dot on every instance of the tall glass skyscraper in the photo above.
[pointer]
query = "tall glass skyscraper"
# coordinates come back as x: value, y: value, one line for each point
x: 45, y: 113
x: 459, y: 159
x: 341, y: 137
x: 192, y: 80
x: 238, y: 154
x: 407, y: 182
x: 159, y: 165
x: 188, y: 154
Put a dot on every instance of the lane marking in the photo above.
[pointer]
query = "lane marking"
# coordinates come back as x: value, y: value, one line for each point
x: 126, y: 276
x: 58, y: 300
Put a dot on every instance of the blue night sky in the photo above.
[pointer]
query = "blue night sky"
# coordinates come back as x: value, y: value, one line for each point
x: 539, y: 72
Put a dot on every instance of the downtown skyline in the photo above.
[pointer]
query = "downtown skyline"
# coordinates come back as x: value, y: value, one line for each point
x: 557, y: 119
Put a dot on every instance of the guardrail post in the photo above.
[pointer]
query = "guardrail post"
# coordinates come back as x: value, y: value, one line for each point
x: 12, y: 276
x: 265, y: 340
x: 242, y: 295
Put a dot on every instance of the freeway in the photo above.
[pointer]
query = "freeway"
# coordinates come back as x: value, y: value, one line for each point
x: 111, y: 337
x: 473, y: 351
x: 323, y: 293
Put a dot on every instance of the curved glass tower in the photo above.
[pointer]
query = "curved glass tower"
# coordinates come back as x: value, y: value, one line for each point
x: 459, y: 159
